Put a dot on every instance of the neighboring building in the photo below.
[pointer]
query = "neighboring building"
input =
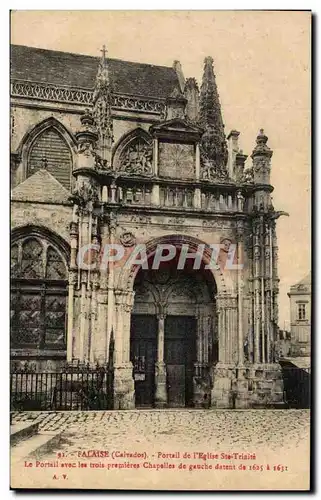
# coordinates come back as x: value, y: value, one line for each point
x: 122, y: 152
x: 300, y: 313
x: 283, y: 343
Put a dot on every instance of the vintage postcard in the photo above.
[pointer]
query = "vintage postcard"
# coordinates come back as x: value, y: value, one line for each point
x: 160, y: 250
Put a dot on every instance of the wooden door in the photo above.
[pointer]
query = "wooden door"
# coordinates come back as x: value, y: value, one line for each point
x: 143, y: 350
x: 180, y: 352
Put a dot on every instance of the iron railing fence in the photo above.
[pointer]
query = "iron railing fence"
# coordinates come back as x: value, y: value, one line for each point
x: 85, y: 387
x: 74, y: 387
x: 296, y: 385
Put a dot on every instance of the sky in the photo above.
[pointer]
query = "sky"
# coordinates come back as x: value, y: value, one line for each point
x: 262, y: 67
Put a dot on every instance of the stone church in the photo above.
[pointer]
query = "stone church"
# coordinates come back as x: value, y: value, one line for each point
x: 105, y: 151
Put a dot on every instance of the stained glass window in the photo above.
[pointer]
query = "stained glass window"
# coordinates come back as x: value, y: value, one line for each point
x: 38, y: 294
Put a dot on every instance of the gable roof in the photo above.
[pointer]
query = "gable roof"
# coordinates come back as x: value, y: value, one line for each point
x: 302, y: 286
x: 41, y: 187
x: 79, y: 71
x: 183, y: 129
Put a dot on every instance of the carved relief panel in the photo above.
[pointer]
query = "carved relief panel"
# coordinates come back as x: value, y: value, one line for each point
x: 137, y: 158
x: 176, y: 160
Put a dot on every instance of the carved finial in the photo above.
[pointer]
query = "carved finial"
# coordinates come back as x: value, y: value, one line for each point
x: 102, y: 102
x: 103, y: 52
x: 208, y: 60
x: 87, y: 119
x: 261, y: 144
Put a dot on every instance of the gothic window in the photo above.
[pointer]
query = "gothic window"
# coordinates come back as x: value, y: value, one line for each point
x: 38, y: 295
x: 51, y: 152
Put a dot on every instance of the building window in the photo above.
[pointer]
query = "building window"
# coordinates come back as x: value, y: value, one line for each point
x: 38, y: 295
x: 51, y: 152
x: 301, y: 311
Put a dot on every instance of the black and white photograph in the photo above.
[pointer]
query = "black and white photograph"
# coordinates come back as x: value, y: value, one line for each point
x: 160, y: 174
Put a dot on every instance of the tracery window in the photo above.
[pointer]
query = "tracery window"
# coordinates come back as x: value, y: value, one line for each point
x: 38, y: 294
x: 51, y: 152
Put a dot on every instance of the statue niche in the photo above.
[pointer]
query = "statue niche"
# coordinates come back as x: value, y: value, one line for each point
x: 137, y: 158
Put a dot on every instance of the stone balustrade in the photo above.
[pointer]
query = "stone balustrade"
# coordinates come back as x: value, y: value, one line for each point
x: 168, y: 195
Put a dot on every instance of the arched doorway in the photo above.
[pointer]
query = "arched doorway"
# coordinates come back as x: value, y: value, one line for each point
x: 173, y: 335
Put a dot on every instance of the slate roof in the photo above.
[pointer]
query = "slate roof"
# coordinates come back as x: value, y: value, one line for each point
x: 41, y: 186
x: 79, y: 71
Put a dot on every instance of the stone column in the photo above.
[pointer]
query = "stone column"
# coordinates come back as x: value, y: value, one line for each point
x: 160, y: 367
x: 112, y: 224
x: 240, y: 283
x: 155, y: 156
x: 241, y: 383
x: 197, y: 161
x: 70, y: 324
x: 102, y: 332
x: 94, y: 342
x: 224, y: 371
x: 124, y: 387
x: 83, y: 317
x: 256, y: 290
x: 72, y: 281
x: 155, y: 194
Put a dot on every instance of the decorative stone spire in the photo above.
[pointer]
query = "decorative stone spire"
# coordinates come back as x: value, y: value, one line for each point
x: 191, y: 92
x: 261, y: 157
x: 102, y: 101
x: 214, y: 152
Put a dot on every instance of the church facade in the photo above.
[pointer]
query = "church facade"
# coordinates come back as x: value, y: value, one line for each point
x: 112, y: 156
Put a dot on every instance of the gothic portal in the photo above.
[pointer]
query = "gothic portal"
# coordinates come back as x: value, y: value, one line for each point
x: 123, y: 161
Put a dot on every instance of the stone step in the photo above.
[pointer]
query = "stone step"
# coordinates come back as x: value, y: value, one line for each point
x: 36, y: 446
x: 21, y: 431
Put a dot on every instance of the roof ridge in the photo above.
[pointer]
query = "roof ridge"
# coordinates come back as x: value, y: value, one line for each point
x: 91, y: 56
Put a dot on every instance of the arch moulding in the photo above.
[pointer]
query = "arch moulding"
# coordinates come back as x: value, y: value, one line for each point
x: 224, y: 283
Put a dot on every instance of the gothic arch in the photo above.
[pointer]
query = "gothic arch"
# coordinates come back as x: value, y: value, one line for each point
x: 39, y: 278
x: 223, y: 281
x: 138, y: 134
x: 32, y: 135
x: 42, y: 232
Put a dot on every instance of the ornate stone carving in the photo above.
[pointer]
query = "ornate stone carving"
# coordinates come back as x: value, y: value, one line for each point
x: 137, y: 158
x: 142, y: 219
x: 248, y: 175
x: 240, y: 201
x: 56, y: 93
x: 176, y: 221
x: 240, y: 229
x: 86, y: 190
x: 127, y: 239
x: 135, y: 104
x: 257, y: 253
x: 86, y: 137
x: 219, y: 224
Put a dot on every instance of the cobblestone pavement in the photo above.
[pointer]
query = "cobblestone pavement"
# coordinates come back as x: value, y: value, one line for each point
x: 214, y: 429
